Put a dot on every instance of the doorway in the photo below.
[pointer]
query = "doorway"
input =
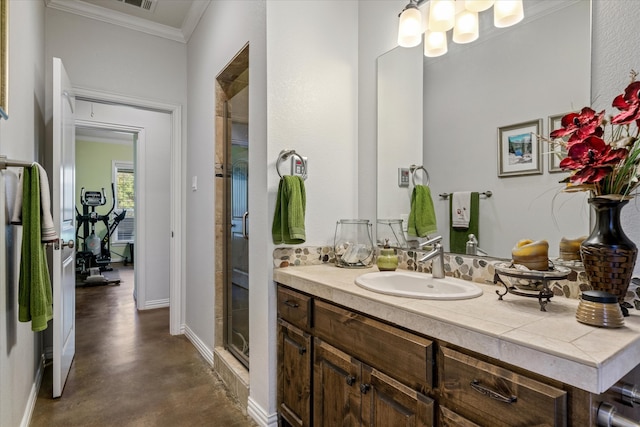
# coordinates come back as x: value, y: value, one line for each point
x: 105, y: 205
x: 150, y: 134
x: 232, y: 210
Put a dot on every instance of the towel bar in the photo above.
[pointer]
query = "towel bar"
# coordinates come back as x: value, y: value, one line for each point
x: 5, y: 163
x: 284, y: 155
x: 414, y: 169
x: 487, y: 194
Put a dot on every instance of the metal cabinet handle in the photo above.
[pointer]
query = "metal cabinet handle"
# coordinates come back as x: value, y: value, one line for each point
x: 302, y: 350
x: 245, y: 233
x: 291, y: 304
x: 364, y: 388
x: 351, y: 380
x: 475, y: 384
x: 60, y: 243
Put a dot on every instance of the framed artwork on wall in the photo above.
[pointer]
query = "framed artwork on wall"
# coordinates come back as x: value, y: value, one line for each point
x: 519, y: 149
x: 556, y: 151
x: 4, y: 59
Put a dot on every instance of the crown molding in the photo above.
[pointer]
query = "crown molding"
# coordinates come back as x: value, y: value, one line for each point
x: 198, y: 7
x: 117, y: 18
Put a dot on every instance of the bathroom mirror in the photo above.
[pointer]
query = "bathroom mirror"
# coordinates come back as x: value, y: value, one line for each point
x: 535, y: 70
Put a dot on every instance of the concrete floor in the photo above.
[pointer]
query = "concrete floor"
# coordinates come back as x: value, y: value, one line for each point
x: 129, y: 371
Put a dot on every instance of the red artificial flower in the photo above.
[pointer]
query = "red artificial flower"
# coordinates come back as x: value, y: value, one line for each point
x: 629, y: 104
x: 580, y: 126
x: 592, y: 159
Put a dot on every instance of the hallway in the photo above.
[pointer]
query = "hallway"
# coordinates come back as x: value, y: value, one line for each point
x: 128, y: 370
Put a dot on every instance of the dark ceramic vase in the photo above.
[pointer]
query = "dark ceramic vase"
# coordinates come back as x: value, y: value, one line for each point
x: 608, y: 254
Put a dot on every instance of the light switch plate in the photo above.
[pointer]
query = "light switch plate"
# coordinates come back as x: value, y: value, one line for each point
x: 403, y: 177
x: 297, y: 168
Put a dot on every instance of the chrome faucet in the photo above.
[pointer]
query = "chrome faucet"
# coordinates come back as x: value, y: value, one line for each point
x: 437, y: 268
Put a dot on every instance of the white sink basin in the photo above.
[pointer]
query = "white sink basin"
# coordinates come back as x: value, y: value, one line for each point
x: 418, y: 285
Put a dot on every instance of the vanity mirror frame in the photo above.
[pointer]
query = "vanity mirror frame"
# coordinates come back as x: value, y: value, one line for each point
x: 460, y: 158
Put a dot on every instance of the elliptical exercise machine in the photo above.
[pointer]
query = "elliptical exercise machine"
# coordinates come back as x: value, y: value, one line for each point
x: 95, y: 254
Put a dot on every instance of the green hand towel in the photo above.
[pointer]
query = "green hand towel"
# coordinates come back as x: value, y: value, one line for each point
x: 458, y: 237
x: 34, y: 286
x: 422, y: 217
x: 288, y: 219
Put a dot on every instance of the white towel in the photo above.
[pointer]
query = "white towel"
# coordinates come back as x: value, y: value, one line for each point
x: 48, y: 231
x: 460, y: 209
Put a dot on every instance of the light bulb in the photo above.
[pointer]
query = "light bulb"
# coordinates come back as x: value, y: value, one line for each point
x: 435, y: 43
x: 507, y: 13
x: 466, y: 28
x: 410, y: 27
x: 478, y: 5
x: 442, y: 15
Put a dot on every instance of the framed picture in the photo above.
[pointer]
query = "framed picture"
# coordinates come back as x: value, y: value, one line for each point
x: 519, y: 149
x: 556, y: 152
x: 4, y: 59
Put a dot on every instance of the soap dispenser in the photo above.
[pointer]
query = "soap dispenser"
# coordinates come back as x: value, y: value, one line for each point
x: 387, y: 260
x: 472, y: 245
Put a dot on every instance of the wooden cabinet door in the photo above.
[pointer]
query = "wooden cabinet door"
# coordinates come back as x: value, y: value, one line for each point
x: 336, y: 392
x: 388, y: 403
x: 294, y: 375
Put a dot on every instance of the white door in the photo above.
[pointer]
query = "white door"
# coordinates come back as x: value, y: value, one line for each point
x: 63, y: 195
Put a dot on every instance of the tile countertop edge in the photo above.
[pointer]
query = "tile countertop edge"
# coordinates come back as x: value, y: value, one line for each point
x: 593, y: 374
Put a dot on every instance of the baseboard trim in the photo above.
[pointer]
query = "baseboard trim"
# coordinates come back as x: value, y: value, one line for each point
x: 33, y: 394
x: 159, y: 303
x: 260, y: 416
x: 204, y: 351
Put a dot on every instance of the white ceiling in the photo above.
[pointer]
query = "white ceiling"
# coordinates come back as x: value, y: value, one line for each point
x: 171, y: 19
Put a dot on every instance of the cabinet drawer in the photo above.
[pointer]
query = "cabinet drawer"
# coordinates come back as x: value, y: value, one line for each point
x: 490, y: 395
x: 448, y: 418
x: 294, y: 307
x: 400, y: 354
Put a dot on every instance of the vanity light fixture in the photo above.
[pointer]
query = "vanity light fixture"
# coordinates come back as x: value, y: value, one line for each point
x: 507, y: 13
x: 443, y: 15
x: 410, y: 27
x: 466, y: 28
x: 435, y: 43
x: 478, y: 5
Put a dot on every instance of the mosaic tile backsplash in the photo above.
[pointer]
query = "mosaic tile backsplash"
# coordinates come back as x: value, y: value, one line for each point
x: 475, y: 269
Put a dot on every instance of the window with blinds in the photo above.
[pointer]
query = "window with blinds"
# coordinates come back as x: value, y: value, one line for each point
x: 124, y: 178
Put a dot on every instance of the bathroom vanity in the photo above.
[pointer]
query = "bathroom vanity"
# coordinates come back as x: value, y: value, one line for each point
x: 349, y: 356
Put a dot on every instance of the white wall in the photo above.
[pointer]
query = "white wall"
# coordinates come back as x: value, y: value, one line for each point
x: 223, y: 31
x: 308, y: 90
x: 615, y: 54
x: 21, y: 138
x: 106, y: 57
x: 312, y: 72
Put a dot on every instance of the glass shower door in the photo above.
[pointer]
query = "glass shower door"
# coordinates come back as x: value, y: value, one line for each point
x: 237, y: 292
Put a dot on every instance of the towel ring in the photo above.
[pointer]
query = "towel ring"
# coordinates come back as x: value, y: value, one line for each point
x: 284, y: 155
x: 414, y: 169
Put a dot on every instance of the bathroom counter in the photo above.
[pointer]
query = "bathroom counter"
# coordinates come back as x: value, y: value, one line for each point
x: 513, y: 330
